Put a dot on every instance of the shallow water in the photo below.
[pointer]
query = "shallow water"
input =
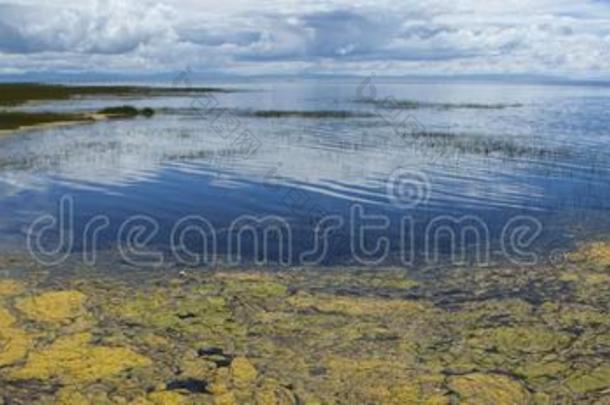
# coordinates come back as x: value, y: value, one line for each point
x: 534, y: 158
x: 494, y: 152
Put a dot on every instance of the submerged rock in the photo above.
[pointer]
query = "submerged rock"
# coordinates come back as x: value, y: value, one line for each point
x: 191, y: 385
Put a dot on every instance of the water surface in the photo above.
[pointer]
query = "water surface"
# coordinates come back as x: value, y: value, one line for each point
x: 494, y: 152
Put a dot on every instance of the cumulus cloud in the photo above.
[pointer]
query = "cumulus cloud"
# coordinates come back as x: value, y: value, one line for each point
x: 334, y: 36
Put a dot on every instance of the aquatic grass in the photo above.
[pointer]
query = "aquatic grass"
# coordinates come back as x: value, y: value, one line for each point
x: 480, y: 144
x: 390, y: 103
x: 224, y: 153
x: 126, y: 111
x: 13, y: 94
x: 309, y: 114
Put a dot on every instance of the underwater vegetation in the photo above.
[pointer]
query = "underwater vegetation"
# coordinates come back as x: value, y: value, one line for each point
x: 415, y: 105
x: 480, y: 144
x: 126, y: 111
x: 311, y: 336
x: 308, y: 114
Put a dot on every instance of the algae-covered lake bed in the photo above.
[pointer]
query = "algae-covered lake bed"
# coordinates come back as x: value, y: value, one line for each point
x: 489, y: 335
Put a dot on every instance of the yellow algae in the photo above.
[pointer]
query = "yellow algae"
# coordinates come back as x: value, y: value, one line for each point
x: 510, y: 310
x: 479, y: 388
x: 540, y: 398
x: 437, y: 399
x: 73, y: 359
x: 342, y: 366
x: 218, y: 387
x: 267, y: 394
x: 71, y: 396
x: 14, y: 342
x: 10, y: 287
x: 597, y: 253
x: 355, y: 306
x: 246, y: 276
x: 586, y: 277
x: 228, y: 398
x: 258, y: 289
x: 54, y: 306
x: 6, y: 319
x: 166, y: 398
x: 14, y: 345
x: 154, y: 340
x: 249, y: 285
x: 315, y: 347
x: 598, y: 379
x: 196, y: 369
x: 242, y: 371
x: 387, y: 279
x: 587, y: 317
x: 519, y: 339
x: 540, y: 370
x: 192, y: 313
x: 407, y: 393
x: 140, y: 401
x: 371, y: 380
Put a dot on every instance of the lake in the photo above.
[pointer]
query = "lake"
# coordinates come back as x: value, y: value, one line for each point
x: 316, y: 172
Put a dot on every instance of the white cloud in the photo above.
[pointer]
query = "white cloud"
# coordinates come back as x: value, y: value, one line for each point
x: 433, y: 36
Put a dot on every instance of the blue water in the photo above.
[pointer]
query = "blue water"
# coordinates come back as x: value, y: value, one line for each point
x: 537, y: 153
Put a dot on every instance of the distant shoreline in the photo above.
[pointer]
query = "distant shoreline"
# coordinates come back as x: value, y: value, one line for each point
x: 14, y: 95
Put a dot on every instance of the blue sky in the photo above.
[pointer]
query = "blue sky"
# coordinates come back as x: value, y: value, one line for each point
x: 568, y: 38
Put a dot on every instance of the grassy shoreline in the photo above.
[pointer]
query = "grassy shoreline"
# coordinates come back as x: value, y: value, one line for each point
x: 15, y: 94
x: 14, y: 121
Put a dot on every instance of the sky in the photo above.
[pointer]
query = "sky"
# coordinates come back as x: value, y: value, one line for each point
x: 356, y: 37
